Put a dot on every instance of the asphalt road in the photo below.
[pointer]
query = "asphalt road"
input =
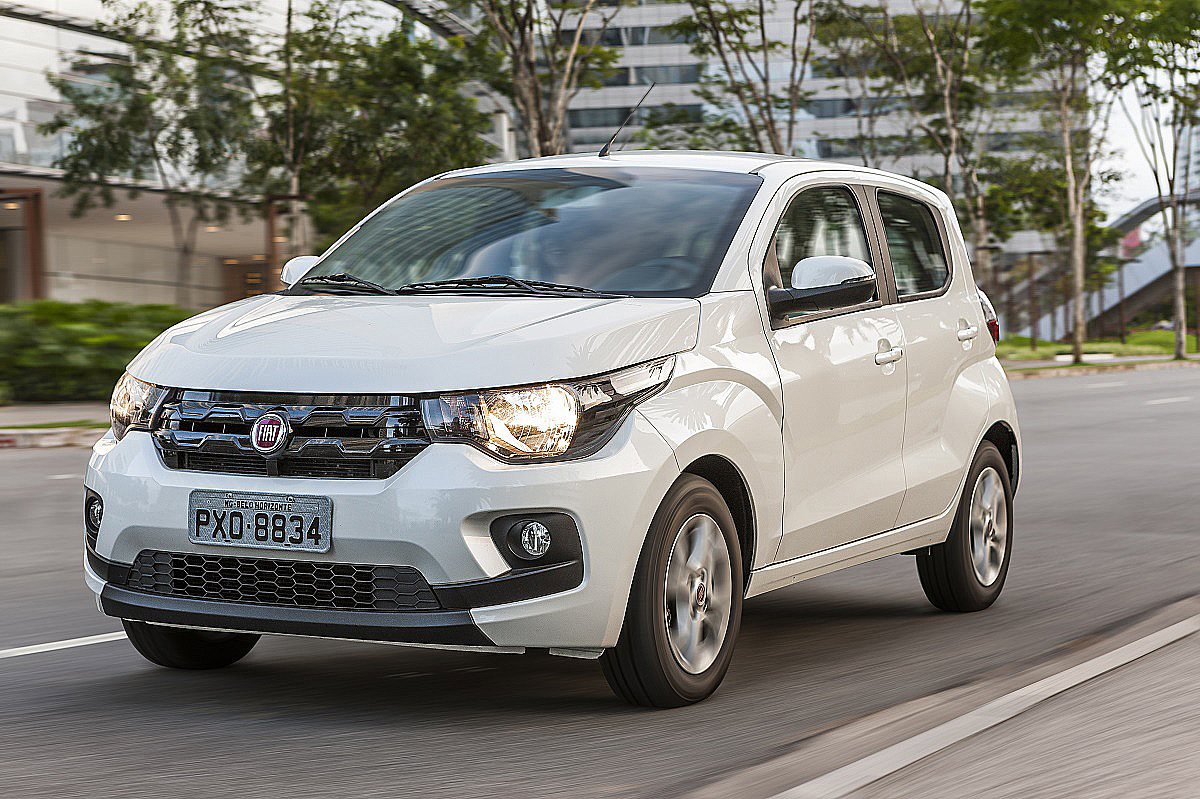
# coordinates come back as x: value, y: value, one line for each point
x: 1106, y: 530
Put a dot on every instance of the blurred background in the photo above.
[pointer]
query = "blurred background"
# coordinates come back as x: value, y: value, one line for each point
x: 162, y: 157
x: 176, y: 152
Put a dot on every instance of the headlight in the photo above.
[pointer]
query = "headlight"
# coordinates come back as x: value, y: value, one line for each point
x: 133, y: 404
x: 536, y: 423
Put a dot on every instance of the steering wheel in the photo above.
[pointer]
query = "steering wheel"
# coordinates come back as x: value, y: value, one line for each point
x: 672, y: 271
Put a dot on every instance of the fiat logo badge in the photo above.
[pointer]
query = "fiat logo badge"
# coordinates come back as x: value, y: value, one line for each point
x: 270, y: 433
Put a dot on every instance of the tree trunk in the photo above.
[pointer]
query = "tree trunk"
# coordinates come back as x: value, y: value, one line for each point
x: 1176, y: 249
x: 1121, y: 300
x: 1078, y: 253
x: 183, y: 276
x: 301, y: 236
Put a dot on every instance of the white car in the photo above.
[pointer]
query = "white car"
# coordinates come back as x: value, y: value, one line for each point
x: 580, y: 404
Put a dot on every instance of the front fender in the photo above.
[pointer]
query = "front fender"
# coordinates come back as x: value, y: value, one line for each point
x: 729, y: 420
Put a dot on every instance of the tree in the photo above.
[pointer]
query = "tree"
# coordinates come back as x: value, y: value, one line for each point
x: 167, y: 112
x: 855, y: 60
x: 733, y: 37
x: 930, y: 64
x: 670, y: 127
x: 294, y: 100
x: 330, y: 106
x: 1162, y: 71
x: 1069, y: 45
x: 549, y: 50
x: 384, y: 141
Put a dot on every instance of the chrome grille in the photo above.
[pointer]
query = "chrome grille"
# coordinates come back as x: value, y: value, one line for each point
x: 333, y: 436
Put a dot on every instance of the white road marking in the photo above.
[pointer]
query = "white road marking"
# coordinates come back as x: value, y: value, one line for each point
x: 1167, y: 400
x: 67, y: 644
x: 65, y: 477
x: 860, y: 773
x: 1107, y: 384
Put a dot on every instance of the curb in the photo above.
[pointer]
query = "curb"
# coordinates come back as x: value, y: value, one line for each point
x: 50, y: 437
x: 1016, y: 373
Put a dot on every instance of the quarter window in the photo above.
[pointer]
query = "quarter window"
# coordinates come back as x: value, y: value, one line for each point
x: 914, y: 244
x: 819, y: 221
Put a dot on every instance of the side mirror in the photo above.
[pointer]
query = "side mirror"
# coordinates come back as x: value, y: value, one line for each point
x: 295, y: 268
x: 824, y: 283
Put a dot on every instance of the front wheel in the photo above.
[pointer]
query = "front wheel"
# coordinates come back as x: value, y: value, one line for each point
x: 179, y: 648
x: 685, y: 606
x: 967, y: 572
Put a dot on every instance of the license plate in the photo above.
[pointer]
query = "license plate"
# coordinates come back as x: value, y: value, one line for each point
x: 265, y: 521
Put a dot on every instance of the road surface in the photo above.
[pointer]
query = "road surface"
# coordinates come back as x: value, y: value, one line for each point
x: 1105, y: 529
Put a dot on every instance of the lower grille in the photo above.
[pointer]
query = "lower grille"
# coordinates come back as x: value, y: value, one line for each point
x: 291, y: 583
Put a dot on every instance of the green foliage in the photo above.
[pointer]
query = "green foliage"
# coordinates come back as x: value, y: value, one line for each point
x: 54, y: 351
x: 670, y: 127
x: 754, y: 92
x: 541, y: 53
x: 385, y: 141
x: 1016, y: 348
x: 164, y: 111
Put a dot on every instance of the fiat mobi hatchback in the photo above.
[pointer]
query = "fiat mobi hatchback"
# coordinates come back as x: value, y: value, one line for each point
x: 580, y: 404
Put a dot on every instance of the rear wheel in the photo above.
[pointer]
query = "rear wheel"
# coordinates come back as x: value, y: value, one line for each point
x: 685, y: 606
x: 178, y: 648
x: 967, y: 572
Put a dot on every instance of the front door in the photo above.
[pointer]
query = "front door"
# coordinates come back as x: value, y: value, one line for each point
x: 844, y: 386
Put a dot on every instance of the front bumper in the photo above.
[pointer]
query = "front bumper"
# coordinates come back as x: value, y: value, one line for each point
x: 433, y: 515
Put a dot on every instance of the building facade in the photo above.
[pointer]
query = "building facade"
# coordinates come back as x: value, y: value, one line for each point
x: 832, y: 123
x: 125, y: 252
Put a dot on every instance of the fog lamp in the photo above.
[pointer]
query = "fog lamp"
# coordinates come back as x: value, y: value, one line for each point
x: 93, y: 514
x: 535, y: 539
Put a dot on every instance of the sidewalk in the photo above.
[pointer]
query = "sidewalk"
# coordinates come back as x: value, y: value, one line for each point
x: 1088, y: 358
x: 53, y: 413
x: 55, y: 424
x: 1134, y: 732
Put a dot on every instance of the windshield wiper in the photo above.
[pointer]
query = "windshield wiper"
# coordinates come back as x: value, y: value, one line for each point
x: 501, y: 283
x: 342, y: 279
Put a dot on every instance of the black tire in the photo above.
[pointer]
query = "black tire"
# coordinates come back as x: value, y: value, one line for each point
x: 946, y: 571
x: 643, y: 669
x: 177, y: 648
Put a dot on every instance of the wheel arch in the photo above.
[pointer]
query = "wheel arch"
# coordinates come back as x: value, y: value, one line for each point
x: 732, y: 486
x: 1004, y: 438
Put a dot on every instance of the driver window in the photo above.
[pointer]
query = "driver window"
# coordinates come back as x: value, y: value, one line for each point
x: 818, y: 221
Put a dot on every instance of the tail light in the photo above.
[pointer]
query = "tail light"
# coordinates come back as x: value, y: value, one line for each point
x: 989, y: 316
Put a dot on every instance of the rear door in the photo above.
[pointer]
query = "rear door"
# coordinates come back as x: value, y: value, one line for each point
x: 938, y: 309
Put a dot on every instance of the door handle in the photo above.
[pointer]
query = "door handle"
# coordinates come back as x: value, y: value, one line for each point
x: 889, y: 356
x: 968, y: 333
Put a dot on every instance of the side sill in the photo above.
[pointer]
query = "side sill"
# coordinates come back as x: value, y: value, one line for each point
x: 913, y: 536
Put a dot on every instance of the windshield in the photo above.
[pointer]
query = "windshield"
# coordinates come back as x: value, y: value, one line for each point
x: 643, y: 232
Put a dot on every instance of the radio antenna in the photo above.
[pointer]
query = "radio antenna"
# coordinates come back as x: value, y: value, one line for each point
x: 634, y: 110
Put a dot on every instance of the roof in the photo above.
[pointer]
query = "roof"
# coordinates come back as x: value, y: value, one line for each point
x: 717, y: 161
x: 684, y: 159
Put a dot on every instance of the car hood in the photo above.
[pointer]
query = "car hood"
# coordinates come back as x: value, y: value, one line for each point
x: 338, y: 345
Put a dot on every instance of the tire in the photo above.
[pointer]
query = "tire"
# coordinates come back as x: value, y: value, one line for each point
x: 178, y: 648
x: 951, y: 575
x: 650, y: 666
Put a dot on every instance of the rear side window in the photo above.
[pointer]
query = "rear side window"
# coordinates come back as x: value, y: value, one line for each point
x: 914, y: 244
x: 819, y: 221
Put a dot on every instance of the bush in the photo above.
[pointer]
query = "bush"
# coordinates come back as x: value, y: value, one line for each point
x: 59, y: 351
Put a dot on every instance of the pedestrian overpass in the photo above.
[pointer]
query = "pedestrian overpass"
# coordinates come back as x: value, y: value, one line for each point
x: 1144, y: 280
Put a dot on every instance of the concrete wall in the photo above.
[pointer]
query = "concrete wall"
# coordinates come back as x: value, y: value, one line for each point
x: 80, y: 269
